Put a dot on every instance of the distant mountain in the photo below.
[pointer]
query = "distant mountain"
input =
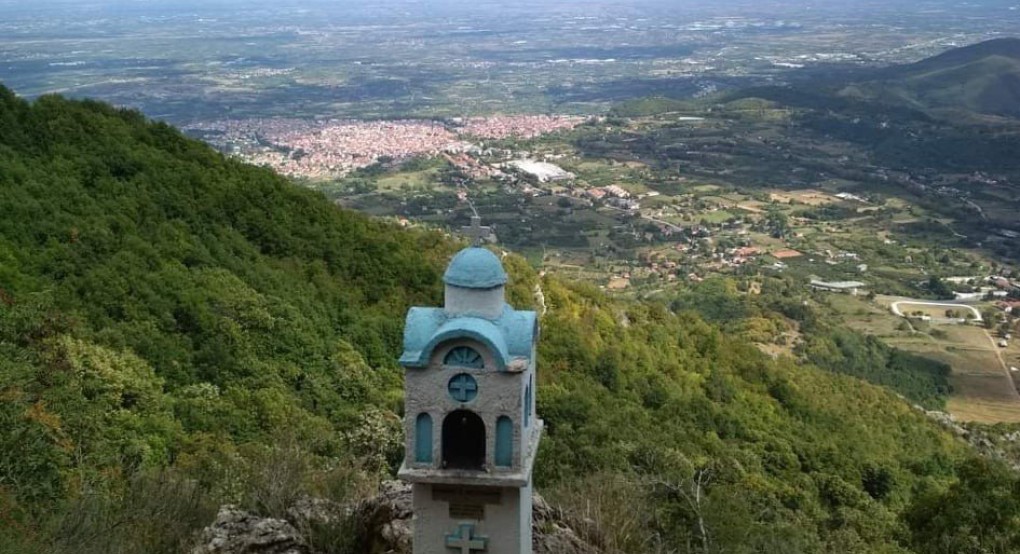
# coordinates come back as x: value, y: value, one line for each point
x: 983, y: 78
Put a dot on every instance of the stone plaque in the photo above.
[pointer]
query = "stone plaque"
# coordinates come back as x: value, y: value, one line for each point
x: 467, y: 511
x: 466, y: 495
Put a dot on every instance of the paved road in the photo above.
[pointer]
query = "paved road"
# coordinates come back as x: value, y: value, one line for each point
x: 951, y: 305
x: 676, y: 228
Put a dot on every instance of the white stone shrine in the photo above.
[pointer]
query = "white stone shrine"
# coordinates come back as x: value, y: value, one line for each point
x: 470, y: 422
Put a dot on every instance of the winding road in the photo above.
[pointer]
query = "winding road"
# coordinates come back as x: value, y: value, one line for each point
x: 896, y: 308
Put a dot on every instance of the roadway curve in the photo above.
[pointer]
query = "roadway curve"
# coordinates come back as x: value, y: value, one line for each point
x: 896, y: 307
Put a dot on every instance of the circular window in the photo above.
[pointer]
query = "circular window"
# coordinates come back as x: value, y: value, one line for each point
x: 463, y: 388
x: 462, y: 356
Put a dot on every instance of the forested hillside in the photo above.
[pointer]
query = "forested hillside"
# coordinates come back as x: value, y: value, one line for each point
x: 983, y: 78
x: 179, y: 330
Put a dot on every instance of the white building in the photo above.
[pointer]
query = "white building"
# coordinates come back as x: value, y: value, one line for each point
x: 543, y: 172
x: 850, y: 287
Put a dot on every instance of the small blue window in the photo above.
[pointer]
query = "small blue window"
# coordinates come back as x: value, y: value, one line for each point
x: 462, y: 356
x: 527, y: 406
x: 527, y: 403
x: 504, y: 442
x: 423, y: 439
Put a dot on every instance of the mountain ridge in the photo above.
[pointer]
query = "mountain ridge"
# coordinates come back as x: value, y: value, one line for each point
x: 983, y: 78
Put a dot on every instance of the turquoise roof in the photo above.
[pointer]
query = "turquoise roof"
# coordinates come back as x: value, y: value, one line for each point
x: 509, y: 337
x: 475, y: 268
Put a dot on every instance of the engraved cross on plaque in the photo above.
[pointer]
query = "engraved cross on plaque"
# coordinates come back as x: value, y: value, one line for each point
x: 476, y: 231
x: 465, y: 540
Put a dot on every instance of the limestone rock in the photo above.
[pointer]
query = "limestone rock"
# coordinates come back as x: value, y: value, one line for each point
x: 381, y: 525
x: 317, y: 511
x: 552, y: 533
x: 238, y: 532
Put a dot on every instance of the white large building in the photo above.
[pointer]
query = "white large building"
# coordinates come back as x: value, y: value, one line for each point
x: 542, y: 171
x: 850, y: 287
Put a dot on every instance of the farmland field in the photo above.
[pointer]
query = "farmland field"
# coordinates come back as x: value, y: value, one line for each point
x: 982, y: 391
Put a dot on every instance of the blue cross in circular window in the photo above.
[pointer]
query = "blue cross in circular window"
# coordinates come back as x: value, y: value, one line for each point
x: 463, y: 388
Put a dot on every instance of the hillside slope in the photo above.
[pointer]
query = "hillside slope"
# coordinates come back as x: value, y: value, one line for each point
x: 178, y: 330
x: 983, y: 78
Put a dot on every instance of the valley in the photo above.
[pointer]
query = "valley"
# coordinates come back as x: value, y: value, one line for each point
x: 843, y: 173
x: 773, y: 250
x: 660, y: 195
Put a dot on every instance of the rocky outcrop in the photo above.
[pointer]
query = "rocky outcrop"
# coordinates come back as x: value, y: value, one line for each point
x: 379, y: 525
x: 239, y: 532
x: 317, y: 511
x: 993, y: 442
x: 383, y: 523
x: 553, y: 533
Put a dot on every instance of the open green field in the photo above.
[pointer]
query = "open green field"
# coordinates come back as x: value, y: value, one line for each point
x: 867, y: 317
x: 409, y: 180
x: 712, y: 217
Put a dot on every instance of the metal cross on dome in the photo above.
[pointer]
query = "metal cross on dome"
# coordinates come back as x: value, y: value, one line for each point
x: 476, y: 231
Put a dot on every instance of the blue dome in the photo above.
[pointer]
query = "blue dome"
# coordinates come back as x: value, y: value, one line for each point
x: 475, y: 268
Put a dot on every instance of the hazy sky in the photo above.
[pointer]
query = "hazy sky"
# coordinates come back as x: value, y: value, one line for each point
x: 198, y: 4
x: 495, y: 5
x: 404, y: 11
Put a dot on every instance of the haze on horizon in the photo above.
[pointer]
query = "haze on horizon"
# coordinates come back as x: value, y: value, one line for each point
x: 190, y: 60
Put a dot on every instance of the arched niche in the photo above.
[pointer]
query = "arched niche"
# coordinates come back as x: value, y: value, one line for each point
x: 463, y: 441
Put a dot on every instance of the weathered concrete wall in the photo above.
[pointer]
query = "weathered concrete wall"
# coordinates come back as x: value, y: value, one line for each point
x: 501, y: 526
x: 487, y: 303
x: 499, y: 394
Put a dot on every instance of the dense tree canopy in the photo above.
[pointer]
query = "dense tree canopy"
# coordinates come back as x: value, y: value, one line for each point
x: 167, y: 312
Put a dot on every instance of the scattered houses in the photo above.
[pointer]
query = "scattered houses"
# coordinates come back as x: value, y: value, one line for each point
x: 786, y: 253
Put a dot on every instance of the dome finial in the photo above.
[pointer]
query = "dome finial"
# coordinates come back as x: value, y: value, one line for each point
x: 476, y: 232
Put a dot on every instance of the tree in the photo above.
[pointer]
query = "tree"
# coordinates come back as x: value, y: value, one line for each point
x: 777, y: 222
x: 990, y: 317
x: 979, y: 514
x: 939, y: 288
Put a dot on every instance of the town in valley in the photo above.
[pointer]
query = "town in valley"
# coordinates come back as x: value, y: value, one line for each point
x: 651, y: 149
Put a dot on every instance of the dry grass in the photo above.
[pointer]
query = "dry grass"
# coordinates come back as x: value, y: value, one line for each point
x: 810, y: 197
x: 609, y: 510
x: 983, y: 411
x: 935, y: 312
x: 982, y: 391
x: 866, y: 317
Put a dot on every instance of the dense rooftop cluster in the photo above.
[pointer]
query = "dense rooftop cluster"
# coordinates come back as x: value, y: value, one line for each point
x: 519, y: 126
x: 333, y: 148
